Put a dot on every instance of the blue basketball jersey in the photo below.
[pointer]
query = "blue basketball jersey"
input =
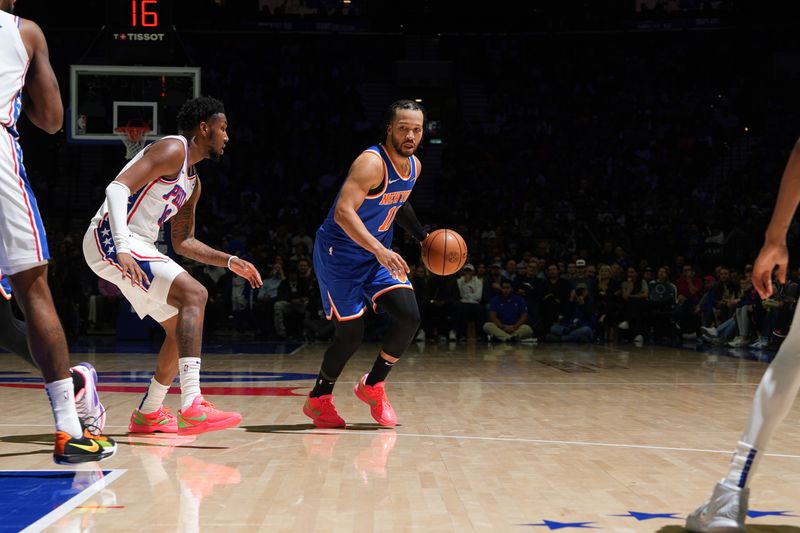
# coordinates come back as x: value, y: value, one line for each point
x: 378, y: 210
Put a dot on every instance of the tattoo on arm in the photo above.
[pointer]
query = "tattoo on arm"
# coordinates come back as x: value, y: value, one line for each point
x: 183, y: 235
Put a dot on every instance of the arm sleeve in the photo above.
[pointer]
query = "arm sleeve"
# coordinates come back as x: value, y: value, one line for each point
x: 117, y: 195
x: 406, y: 218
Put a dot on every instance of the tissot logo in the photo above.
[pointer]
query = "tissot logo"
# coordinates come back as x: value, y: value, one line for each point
x: 138, y: 36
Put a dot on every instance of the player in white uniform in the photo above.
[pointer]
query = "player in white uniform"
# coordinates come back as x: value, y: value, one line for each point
x: 157, y: 185
x: 25, y: 67
x: 726, y: 509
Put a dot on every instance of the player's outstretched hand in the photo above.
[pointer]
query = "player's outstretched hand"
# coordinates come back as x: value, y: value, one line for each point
x: 394, y: 263
x: 771, y: 254
x: 247, y: 270
x: 132, y: 270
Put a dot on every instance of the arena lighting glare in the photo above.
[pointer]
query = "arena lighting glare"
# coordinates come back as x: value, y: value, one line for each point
x: 418, y: 100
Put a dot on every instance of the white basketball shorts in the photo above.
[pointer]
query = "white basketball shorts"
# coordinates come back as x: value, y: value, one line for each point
x: 161, y: 271
x: 23, y: 243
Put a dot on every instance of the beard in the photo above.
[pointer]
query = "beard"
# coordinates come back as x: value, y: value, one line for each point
x: 214, y: 156
x: 398, y: 147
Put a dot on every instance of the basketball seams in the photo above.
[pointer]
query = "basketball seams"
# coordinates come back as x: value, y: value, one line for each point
x: 444, y: 253
x: 433, y: 251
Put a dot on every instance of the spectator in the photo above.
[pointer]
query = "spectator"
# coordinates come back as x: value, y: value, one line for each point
x: 293, y: 296
x: 508, y: 315
x: 663, y: 298
x: 634, y: 294
x: 578, y: 325
x: 468, y: 309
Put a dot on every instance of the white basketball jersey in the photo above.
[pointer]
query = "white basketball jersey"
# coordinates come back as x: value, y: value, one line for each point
x: 158, y: 201
x: 13, y: 66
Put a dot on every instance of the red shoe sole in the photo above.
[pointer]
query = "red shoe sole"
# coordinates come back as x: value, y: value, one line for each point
x: 216, y: 426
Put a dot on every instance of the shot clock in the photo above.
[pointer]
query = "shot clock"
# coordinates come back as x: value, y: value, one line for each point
x: 138, y: 30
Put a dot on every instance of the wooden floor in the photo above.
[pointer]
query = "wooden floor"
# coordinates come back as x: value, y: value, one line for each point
x: 508, y: 438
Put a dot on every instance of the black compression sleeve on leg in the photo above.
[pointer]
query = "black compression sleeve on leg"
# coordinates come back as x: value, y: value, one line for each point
x: 407, y: 219
x: 346, y: 341
x: 401, y: 304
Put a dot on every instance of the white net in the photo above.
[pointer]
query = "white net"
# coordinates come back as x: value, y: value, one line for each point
x: 133, y: 137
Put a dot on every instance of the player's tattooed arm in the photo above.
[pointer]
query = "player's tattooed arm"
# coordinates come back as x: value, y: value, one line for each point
x: 185, y: 243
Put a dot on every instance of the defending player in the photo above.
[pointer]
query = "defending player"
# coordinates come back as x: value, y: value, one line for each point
x: 355, y: 265
x: 158, y: 184
x: 727, y: 507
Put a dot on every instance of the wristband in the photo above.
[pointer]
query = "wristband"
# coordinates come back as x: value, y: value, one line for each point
x: 231, y: 258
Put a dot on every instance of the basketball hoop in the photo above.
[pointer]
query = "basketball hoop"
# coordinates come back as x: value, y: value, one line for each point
x: 133, y: 137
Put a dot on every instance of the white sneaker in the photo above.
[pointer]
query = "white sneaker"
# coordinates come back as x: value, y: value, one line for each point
x: 452, y: 336
x: 760, y: 343
x: 623, y: 325
x: 90, y: 411
x: 711, y: 332
x: 420, y: 336
x: 638, y: 339
x: 738, y: 342
x: 528, y: 340
x: 724, y: 511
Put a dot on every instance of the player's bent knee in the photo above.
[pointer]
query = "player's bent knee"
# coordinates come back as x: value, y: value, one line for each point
x: 194, y: 295
x: 409, y: 320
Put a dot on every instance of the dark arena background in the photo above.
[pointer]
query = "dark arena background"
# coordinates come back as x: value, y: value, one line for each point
x: 613, y: 164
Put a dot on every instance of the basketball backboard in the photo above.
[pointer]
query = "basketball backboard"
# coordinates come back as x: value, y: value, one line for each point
x: 104, y: 98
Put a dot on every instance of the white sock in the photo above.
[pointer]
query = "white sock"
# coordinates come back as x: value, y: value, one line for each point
x: 190, y: 379
x: 154, y: 397
x: 743, y: 463
x: 62, y: 401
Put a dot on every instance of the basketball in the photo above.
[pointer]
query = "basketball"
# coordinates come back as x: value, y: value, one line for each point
x: 444, y: 252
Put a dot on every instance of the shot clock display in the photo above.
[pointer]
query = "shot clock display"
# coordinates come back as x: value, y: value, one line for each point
x: 137, y: 29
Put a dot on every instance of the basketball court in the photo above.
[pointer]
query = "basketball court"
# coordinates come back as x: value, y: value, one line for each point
x: 490, y: 438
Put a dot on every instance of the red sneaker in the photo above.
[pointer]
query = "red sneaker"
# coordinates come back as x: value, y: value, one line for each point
x: 322, y: 411
x: 379, y: 405
x: 161, y: 421
x: 202, y: 416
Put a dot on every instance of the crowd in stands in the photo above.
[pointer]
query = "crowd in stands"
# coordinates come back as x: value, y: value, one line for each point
x: 594, y: 183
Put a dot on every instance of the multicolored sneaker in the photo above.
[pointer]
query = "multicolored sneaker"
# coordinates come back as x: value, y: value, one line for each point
x: 375, y: 397
x: 322, y: 412
x: 90, y: 411
x: 69, y: 450
x: 202, y: 416
x: 161, y: 421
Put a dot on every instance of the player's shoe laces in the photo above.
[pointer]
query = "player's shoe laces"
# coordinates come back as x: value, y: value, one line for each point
x: 724, y: 511
x: 161, y: 421
x: 90, y: 411
x: 202, y: 416
x: 322, y: 411
x: 375, y: 397
x: 69, y: 450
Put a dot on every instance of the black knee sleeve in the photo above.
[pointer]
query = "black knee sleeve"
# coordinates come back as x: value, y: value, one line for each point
x: 401, y: 304
x: 346, y: 340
